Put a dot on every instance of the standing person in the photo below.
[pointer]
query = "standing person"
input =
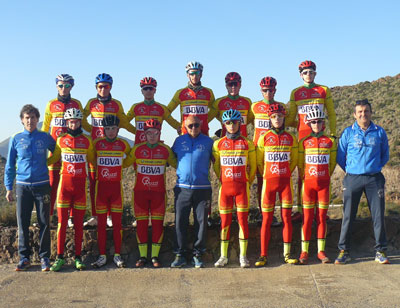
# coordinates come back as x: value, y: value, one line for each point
x: 150, y: 160
x: 302, y: 99
x: 233, y: 83
x: 193, y: 100
x: 75, y: 151
x: 110, y: 153
x: 148, y: 109
x: 277, y: 152
x: 317, y: 161
x: 363, y: 150
x: 235, y: 167
x: 193, y: 189
x: 26, y: 161
x: 54, y: 124
x: 98, y: 107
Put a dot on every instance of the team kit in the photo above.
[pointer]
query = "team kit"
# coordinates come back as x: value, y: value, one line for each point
x: 270, y: 157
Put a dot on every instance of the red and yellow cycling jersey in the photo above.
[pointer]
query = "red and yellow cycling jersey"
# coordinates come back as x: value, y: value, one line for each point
x: 150, y: 165
x: 109, y: 158
x: 144, y: 111
x: 261, y: 118
x: 240, y: 103
x: 317, y: 157
x: 98, y: 110
x: 192, y: 102
x: 235, y: 159
x: 75, y: 153
x: 277, y: 154
x: 301, y: 100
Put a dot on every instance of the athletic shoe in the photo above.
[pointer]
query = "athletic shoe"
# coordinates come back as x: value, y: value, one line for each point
x: 118, y: 261
x: 57, y: 265
x: 262, y: 261
x: 156, y: 262
x: 289, y: 259
x: 343, y: 257
x: 101, y: 261
x: 109, y: 222
x: 23, y: 265
x: 244, y: 262
x: 79, y: 265
x: 322, y: 256
x: 197, y: 262
x: 180, y: 261
x: 222, y: 261
x: 45, y: 264
x: 92, y: 222
x: 303, y: 258
x: 381, y: 257
x: 70, y: 222
x: 141, y: 262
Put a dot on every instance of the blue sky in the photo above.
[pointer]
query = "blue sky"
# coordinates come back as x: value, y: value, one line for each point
x: 350, y: 41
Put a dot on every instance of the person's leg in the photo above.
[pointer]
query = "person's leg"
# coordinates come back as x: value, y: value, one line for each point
x: 157, y: 212
x: 201, y: 203
x: 286, y: 197
x: 25, y: 202
x: 323, y: 205
x: 225, y: 203
x: 242, y: 207
x: 116, y: 209
x: 62, y: 213
x: 141, y: 205
x: 54, y: 176
x: 309, y: 203
x: 78, y: 226
x: 42, y: 202
x: 268, y: 205
x: 183, y: 205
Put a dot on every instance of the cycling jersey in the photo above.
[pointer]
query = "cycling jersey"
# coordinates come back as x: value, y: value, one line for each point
x: 240, y: 103
x: 144, y: 111
x: 192, y: 102
x: 302, y: 99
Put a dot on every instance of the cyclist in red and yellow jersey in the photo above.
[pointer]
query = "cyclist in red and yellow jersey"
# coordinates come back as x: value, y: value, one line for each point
x: 148, y: 109
x: 233, y: 83
x: 317, y: 161
x: 193, y: 100
x: 55, y: 124
x: 75, y: 151
x: 235, y: 167
x: 277, y: 153
x: 150, y: 160
x: 110, y: 153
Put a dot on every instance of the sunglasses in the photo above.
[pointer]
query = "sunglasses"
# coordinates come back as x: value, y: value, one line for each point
x: 309, y: 72
x: 196, y: 125
x: 67, y: 86
x: 268, y: 90
x: 232, y: 84
x: 194, y: 73
x: 277, y: 116
x: 106, y: 86
x: 234, y: 122
x: 317, y: 121
x: 147, y: 88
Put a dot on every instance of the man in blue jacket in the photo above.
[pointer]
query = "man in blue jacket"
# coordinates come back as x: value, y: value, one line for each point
x: 362, y: 152
x: 193, y: 189
x: 26, y: 161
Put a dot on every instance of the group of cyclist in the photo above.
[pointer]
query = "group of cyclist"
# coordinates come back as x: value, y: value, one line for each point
x: 271, y: 157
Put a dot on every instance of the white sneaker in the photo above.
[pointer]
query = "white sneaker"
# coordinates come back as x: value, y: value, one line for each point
x: 109, y: 222
x: 222, y: 261
x: 91, y: 222
x: 244, y: 262
x: 101, y: 261
x: 118, y: 261
x: 70, y: 223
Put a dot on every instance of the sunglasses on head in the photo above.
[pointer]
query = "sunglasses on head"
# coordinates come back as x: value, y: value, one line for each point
x: 67, y: 86
x: 316, y: 121
x: 106, y: 86
x: 147, y: 88
x: 232, y: 84
x: 309, y: 72
x: 234, y: 122
x: 196, y: 125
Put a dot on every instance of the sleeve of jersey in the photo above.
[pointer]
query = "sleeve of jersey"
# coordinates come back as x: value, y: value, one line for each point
x: 56, y: 154
x: 124, y: 122
x: 212, y: 99
x: 130, y: 158
x: 300, y: 163
x: 342, y: 150
x: 169, y: 119
x: 332, y: 157
x: 291, y: 118
x: 172, y: 106
x: 86, y: 112
x: 91, y: 155
x: 294, y: 154
x: 131, y: 113
x: 217, y: 162
x: 384, y: 148
x: 213, y: 111
x: 252, y: 161
x: 250, y: 115
x: 47, y: 119
x: 330, y: 108
x: 10, y: 169
x: 171, y: 158
x: 260, y: 155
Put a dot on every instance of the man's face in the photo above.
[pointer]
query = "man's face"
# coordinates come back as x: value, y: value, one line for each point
x: 64, y: 88
x: 277, y: 120
x: 152, y: 135
x: 317, y: 125
x: 194, y: 76
x: 111, y: 132
x: 148, y: 92
x: 268, y: 93
x: 29, y: 121
x: 193, y: 127
x: 103, y: 89
x: 232, y: 126
x: 308, y: 75
x: 363, y: 115
x: 233, y: 87
x: 73, y: 124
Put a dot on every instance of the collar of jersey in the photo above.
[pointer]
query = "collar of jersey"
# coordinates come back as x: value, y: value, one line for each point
x: 281, y: 131
x: 234, y: 97
x: 151, y: 146
x: 309, y: 86
x: 148, y: 103
x: 268, y: 101
x: 318, y: 134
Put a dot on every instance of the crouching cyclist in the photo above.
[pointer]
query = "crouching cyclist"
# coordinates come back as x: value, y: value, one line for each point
x: 110, y: 153
x: 75, y: 151
x: 235, y: 167
x: 150, y: 159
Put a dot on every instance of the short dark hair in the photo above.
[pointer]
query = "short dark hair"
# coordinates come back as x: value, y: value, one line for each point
x: 28, y: 109
x: 363, y: 102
